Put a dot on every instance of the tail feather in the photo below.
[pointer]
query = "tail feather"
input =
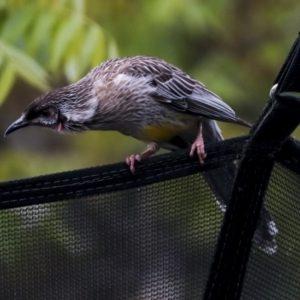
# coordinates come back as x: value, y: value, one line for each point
x: 221, y: 181
x: 242, y: 122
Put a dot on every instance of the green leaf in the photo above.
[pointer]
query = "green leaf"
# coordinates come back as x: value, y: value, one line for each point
x: 17, y: 24
x: 78, y: 5
x: 64, y: 36
x: 41, y: 31
x: 73, y: 64
x: 88, y: 45
x: 72, y: 69
x: 99, y: 48
x: 25, y: 66
x: 7, y: 78
x: 112, y: 48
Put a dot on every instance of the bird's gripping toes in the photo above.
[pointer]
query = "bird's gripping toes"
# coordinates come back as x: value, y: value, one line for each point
x: 143, y: 97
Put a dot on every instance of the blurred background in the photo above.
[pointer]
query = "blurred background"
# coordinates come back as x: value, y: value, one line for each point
x: 235, y: 48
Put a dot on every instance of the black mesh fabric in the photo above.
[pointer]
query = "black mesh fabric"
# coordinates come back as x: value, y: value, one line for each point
x: 103, y: 233
x: 276, y: 276
x: 151, y: 241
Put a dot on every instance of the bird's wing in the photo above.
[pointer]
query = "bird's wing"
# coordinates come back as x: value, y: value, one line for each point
x: 177, y: 89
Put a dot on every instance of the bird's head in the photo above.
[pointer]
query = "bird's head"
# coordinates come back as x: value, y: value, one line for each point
x: 44, y: 111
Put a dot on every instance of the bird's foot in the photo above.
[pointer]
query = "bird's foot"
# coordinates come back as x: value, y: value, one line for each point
x: 198, y: 147
x: 130, y: 160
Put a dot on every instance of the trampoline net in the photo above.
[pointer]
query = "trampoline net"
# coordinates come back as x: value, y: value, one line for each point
x: 154, y: 239
x: 277, y: 276
x: 150, y: 242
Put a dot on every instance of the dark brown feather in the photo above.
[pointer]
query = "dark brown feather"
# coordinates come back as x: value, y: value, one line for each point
x: 175, y: 88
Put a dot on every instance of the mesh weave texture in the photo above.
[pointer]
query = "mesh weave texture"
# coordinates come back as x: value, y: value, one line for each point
x: 150, y: 242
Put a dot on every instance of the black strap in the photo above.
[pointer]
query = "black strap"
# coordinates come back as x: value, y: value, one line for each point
x: 288, y: 77
x: 277, y: 122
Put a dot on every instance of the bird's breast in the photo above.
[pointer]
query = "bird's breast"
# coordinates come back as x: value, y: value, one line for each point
x: 153, y: 133
x: 165, y: 131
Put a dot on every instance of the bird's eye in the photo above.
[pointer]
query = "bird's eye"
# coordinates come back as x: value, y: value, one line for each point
x: 45, y: 113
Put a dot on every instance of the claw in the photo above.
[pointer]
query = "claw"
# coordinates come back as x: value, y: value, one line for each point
x: 130, y: 161
x: 198, y: 146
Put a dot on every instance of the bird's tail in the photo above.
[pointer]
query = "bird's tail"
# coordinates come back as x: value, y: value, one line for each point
x: 211, y: 131
x: 242, y: 122
x: 221, y: 180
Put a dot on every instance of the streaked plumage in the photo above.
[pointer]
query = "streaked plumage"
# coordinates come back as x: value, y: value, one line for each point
x: 143, y: 97
x: 146, y: 98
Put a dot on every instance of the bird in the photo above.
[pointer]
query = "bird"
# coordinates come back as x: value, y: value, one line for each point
x: 140, y: 96
x: 152, y: 101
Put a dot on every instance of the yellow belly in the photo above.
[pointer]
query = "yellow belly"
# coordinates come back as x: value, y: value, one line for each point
x: 162, y: 133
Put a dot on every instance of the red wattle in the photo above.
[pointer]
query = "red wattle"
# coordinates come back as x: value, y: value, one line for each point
x: 59, y: 127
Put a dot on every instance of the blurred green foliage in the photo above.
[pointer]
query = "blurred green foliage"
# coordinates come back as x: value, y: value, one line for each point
x: 235, y: 48
x: 49, y: 36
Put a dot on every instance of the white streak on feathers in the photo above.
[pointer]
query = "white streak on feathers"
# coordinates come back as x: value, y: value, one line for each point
x: 84, y: 114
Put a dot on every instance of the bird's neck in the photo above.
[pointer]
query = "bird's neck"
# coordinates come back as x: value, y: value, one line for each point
x: 81, y: 103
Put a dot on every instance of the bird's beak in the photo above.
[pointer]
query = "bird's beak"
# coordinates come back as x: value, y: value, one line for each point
x: 16, y: 125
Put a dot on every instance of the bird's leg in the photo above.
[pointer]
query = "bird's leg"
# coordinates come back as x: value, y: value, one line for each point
x: 151, y: 149
x: 198, y: 146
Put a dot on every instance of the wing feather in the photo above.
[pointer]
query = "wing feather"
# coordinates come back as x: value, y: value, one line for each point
x: 179, y: 90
